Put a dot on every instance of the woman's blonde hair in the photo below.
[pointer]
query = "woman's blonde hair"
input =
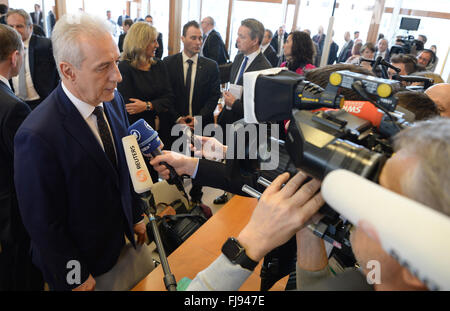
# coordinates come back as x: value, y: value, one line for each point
x: 138, y: 37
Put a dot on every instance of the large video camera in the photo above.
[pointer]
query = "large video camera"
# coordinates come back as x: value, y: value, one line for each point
x: 410, y: 45
x: 319, y: 142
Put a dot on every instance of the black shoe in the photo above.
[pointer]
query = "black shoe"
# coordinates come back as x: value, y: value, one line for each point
x: 221, y: 199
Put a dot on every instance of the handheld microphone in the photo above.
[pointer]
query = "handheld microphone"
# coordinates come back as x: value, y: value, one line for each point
x: 410, y: 232
x: 364, y: 110
x: 142, y: 181
x: 149, y: 143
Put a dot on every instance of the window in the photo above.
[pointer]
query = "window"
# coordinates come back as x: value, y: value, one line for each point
x: 159, y: 10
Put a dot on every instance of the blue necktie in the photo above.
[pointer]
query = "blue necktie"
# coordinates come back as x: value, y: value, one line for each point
x: 241, y: 73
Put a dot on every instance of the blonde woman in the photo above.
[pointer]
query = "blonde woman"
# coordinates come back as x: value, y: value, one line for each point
x: 145, y: 83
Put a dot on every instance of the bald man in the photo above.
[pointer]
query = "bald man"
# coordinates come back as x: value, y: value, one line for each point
x: 439, y: 93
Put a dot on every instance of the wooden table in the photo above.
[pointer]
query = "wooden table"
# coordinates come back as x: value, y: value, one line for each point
x: 204, y: 246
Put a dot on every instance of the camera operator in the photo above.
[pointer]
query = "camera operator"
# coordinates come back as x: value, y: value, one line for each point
x: 439, y: 94
x: 415, y: 171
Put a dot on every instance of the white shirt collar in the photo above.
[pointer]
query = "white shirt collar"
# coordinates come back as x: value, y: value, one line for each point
x: 85, y: 109
x: 252, y: 56
x: 264, y: 47
x: 4, y: 80
x: 193, y: 58
x: 26, y: 43
x: 207, y: 34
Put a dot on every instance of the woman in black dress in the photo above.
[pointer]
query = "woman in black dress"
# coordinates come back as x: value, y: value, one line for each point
x: 145, y: 83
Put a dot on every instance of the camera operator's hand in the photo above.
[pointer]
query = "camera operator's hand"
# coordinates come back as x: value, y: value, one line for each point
x: 182, y: 164
x: 212, y: 149
x: 280, y: 213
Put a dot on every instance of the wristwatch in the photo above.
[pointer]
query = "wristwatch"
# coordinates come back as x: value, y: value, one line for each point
x: 235, y: 252
x: 149, y: 107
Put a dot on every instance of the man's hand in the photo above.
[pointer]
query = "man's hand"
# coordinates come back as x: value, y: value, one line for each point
x: 88, y: 285
x: 212, y: 149
x: 182, y: 164
x: 229, y: 99
x: 280, y: 213
x: 140, y: 230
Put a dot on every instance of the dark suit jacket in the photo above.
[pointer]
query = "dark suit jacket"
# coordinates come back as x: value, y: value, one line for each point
x: 274, y: 42
x: 206, y: 88
x: 346, y: 52
x: 39, y: 22
x: 271, y: 56
x: 214, y: 48
x: 121, y: 40
x: 120, y: 21
x: 42, y: 66
x: 332, y: 56
x: 237, y: 112
x: 12, y: 113
x: 75, y: 204
x: 160, y: 49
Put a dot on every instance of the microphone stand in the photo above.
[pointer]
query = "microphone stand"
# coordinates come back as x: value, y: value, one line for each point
x: 150, y: 211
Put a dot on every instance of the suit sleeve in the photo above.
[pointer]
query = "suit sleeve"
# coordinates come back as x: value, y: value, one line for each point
x: 42, y: 205
x: 13, y: 120
x: 207, y: 112
x: 214, y: 48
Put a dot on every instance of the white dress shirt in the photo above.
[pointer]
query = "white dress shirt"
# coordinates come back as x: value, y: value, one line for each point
x: 251, y: 58
x: 31, y: 91
x: 86, y: 112
x: 4, y: 80
x: 194, y: 73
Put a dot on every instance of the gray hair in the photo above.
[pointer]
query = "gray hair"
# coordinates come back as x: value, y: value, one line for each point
x: 67, y: 33
x: 256, y: 28
x: 429, y: 181
x: 211, y: 20
x: 23, y: 13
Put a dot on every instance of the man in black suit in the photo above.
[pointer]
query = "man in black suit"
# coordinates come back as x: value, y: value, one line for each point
x: 39, y: 76
x: 37, y: 17
x: 213, y: 46
x: 3, y: 11
x: 160, y: 49
x: 250, y: 58
x: 333, y: 55
x: 268, y: 50
x: 16, y: 269
x: 278, y: 41
x: 122, y: 18
x: 195, y: 83
x: 346, y: 50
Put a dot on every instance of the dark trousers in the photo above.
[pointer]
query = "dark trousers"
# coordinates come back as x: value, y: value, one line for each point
x: 196, y: 192
x: 17, y: 272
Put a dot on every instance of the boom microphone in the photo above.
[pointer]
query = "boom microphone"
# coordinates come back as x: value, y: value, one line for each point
x: 418, y: 247
x: 150, y: 144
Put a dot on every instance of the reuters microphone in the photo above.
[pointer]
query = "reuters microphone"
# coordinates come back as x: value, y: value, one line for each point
x: 142, y: 181
x: 150, y: 144
x: 413, y: 234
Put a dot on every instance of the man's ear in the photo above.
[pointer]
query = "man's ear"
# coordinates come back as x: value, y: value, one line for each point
x: 15, y: 58
x: 67, y: 71
x: 411, y: 280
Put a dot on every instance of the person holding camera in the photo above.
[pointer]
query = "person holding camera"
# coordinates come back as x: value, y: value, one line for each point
x: 421, y: 152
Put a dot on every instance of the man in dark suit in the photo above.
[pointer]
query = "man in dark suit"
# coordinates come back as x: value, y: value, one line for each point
x: 160, y: 49
x: 16, y: 269
x: 346, y: 50
x: 39, y: 75
x: 213, y: 46
x: 268, y: 50
x: 195, y: 83
x: 333, y: 55
x: 278, y: 41
x: 71, y: 176
x: 122, y: 18
x: 37, y: 17
x: 3, y: 11
x: 250, y: 58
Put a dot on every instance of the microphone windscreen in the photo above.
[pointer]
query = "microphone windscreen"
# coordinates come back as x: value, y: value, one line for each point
x: 146, y: 137
x: 364, y: 110
x: 415, y: 235
x: 142, y: 181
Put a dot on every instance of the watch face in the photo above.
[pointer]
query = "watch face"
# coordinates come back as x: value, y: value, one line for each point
x: 231, y: 248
